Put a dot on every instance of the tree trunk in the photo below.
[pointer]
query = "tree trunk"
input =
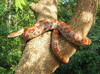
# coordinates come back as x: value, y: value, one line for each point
x: 37, y: 57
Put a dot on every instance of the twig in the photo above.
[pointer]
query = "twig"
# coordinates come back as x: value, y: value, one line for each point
x: 18, y: 22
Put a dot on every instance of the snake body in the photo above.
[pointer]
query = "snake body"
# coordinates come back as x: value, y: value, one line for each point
x: 42, y: 26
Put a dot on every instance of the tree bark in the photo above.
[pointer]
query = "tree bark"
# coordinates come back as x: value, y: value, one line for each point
x: 37, y: 57
x: 9, y: 16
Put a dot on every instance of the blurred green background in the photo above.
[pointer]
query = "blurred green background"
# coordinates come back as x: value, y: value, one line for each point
x: 16, y: 14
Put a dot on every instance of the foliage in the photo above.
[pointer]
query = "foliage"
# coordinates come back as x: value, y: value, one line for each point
x: 10, y: 49
x: 19, y: 3
x: 85, y: 60
x: 66, y: 10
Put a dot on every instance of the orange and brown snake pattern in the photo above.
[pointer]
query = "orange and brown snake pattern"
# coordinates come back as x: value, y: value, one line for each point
x: 42, y: 26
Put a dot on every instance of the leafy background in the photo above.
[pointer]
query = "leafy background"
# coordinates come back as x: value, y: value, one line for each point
x: 16, y: 14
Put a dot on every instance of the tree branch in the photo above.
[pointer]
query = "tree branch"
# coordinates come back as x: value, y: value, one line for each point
x: 37, y: 57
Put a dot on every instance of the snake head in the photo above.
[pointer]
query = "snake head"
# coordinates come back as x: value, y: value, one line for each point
x: 17, y: 33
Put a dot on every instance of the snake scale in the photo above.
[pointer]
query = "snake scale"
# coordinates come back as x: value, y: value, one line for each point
x: 42, y: 26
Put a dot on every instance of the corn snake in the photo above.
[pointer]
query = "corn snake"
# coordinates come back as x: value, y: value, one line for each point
x: 42, y: 26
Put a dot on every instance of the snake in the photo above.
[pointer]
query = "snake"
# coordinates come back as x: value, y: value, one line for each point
x: 42, y: 26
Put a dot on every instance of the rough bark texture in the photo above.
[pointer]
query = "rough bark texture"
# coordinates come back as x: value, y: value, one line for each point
x: 37, y: 57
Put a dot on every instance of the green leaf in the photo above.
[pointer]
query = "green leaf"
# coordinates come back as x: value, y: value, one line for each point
x: 19, y: 3
x: 22, y: 2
